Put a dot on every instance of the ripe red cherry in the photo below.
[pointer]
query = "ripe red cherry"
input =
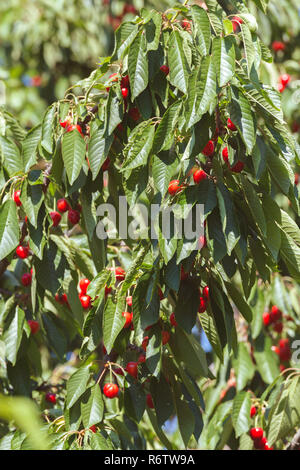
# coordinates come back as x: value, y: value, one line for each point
x: 132, y: 369
x: 63, y: 205
x: 73, y: 127
x: 26, y: 279
x: 61, y: 299
x: 186, y: 25
x: 16, y: 197
x: 275, y: 314
x: 252, y: 411
x: 120, y: 273
x: 65, y: 123
x: 236, y: 21
x: 107, y: 290
x: 51, y: 398
x: 83, y: 285
x: 110, y: 390
x: 165, y: 69
x: 202, y: 305
x: 34, y: 326
x: 73, y: 216
x: 260, y: 443
x: 106, y: 164
x: 128, y: 318
x: 172, y: 319
x: 165, y: 335
x: 230, y: 125
x: 22, y: 252
x: 285, y: 78
x: 225, y: 155
x: 238, y: 167
x: 199, y: 175
x: 205, y: 293
x: 119, y: 371
x: 145, y: 343
x: 280, y: 87
x: 278, y: 327
x: 209, y: 148
x: 266, y: 319
x: 129, y: 300
x: 278, y: 46
x: 125, y: 81
x: 149, y: 401
x: 141, y: 359
x: 93, y: 428
x: 56, y: 218
x: 173, y: 187
x: 85, y: 301
x: 134, y: 114
x: 256, y: 433
x: 129, y: 9
x: 125, y: 92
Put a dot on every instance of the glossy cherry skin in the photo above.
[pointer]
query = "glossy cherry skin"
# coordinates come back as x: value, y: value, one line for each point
x: 230, y: 125
x: 128, y: 318
x: 165, y: 69
x: 132, y: 369
x: 202, y: 305
x: 16, y: 197
x: 256, y: 433
x: 110, y: 390
x: 209, y: 149
x: 22, y: 251
x: 205, y: 293
x: 85, y: 301
x: 199, y: 175
x: 120, y: 273
x: 62, y: 205
x: 34, y: 326
x: 51, y: 398
x: 73, y: 216
x: 173, y: 187
x: 83, y: 285
x: 26, y: 279
x: 56, y: 218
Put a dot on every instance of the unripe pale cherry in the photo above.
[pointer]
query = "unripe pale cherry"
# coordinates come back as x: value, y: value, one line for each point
x: 34, y: 326
x: 16, y: 197
x: 173, y: 187
x: 230, y: 125
x: 56, y: 218
x: 73, y: 216
x: 209, y: 149
x: 111, y: 390
x: 132, y: 369
x: 83, y: 285
x: 26, y: 279
x: 22, y: 251
x: 199, y: 175
x: 128, y: 318
x: 62, y: 205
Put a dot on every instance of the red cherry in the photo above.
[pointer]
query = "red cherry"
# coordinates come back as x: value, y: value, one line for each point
x: 56, y: 218
x: 183, y: 274
x: 230, y: 125
x: 119, y: 371
x: 172, y: 320
x: 134, y: 114
x: 61, y: 299
x: 225, y: 155
x: 141, y: 359
x: 266, y: 319
x: 129, y: 300
x: 73, y: 216
x: 73, y: 127
x: 125, y: 92
x: 205, y: 293
x: 275, y: 314
x: 16, y: 197
x: 63, y: 205
x: 209, y: 148
x: 260, y: 443
x: 26, y: 279
x: 120, y: 273
x: 173, y: 187
x: 267, y: 447
x: 165, y: 69
x: 34, y: 326
x: 296, y: 178
x: 125, y: 82
x: 145, y: 343
x: 85, y: 301
x: 65, y: 123
x: 83, y: 285
x: 128, y: 318
x: 22, y: 252
x: 199, y: 175
x: 110, y: 390
x: 186, y: 25
x: 252, y: 411
x: 280, y: 87
x: 202, y: 305
x: 132, y: 369
x: 202, y: 241
x: 106, y: 164
x: 278, y: 327
x: 256, y: 433
x: 165, y: 335
x: 51, y: 398
x: 107, y: 290
x: 278, y: 46
x: 285, y: 78
x: 282, y: 367
x: 93, y: 428
x: 236, y: 21
x: 284, y: 343
x: 238, y: 167
x: 149, y: 401
x: 129, y: 9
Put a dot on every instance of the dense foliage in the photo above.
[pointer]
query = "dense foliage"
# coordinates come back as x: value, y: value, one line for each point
x: 106, y: 336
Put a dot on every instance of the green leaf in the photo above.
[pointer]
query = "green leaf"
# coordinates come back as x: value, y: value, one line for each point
x: 138, y: 66
x: 30, y: 145
x: 241, y: 413
x: 243, y: 367
x: 124, y: 37
x: 76, y: 385
x: 98, y: 148
x: 12, y: 159
x: 13, y: 335
x: 179, y: 68
x: 138, y: 150
x: 47, y: 129
x: 202, y: 24
x: 242, y: 116
x: 186, y: 420
x: 153, y: 31
x: 92, y: 406
x: 266, y: 359
x: 223, y: 55
x: 228, y: 218
x: 9, y: 228
x: 239, y: 301
x: 113, y: 322
x: 164, y: 135
x: 248, y: 46
x: 255, y: 205
x: 73, y: 153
